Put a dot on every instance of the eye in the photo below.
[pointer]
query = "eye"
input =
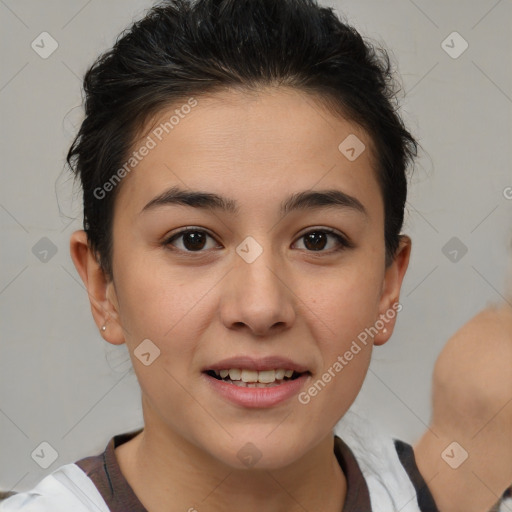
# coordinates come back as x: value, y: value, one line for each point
x: 316, y: 240
x: 193, y: 239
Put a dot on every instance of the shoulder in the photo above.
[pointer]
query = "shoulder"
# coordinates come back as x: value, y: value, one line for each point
x: 388, y: 466
x: 471, y: 425
x: 473, y: 369
x: 67, y: 488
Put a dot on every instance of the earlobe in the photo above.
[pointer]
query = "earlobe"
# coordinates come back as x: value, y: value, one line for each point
x: 389, y: 303
x: 99, y: 288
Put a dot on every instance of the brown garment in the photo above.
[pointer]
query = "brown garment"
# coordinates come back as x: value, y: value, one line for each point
x: 106, y: 474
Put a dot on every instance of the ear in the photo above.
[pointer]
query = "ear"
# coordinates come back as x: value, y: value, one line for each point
x: 392, y: 284
x: 101, y: 290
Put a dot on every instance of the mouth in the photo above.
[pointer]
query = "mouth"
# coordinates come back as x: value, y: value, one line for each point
x: 256, y: 382
x: 246, y: 378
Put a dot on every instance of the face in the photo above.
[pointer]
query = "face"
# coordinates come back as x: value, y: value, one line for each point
x: 273, y: 277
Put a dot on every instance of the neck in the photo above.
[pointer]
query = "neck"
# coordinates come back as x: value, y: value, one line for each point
x: 169, y: 474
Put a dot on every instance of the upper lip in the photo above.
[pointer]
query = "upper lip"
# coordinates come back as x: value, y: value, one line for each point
x: 258, y: 364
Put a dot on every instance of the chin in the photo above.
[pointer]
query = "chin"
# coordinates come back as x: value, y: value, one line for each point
x: 261, y: 452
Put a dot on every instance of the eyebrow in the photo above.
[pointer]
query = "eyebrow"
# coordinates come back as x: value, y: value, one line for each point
x: 308, y: 199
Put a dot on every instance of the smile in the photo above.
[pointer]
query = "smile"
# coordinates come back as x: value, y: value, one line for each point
x: 254, y: 379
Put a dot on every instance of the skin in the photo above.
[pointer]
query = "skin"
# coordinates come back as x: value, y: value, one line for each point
x: 291, y: 301
x: 472, y: 405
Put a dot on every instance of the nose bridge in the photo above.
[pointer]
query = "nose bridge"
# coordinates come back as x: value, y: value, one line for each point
x: 259, y: 274
x: 260, y: 299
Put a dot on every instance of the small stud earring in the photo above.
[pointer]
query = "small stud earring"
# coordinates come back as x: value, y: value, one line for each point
x: 104, y: 328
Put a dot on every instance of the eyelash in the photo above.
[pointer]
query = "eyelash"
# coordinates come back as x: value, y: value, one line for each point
x: 343, y: 242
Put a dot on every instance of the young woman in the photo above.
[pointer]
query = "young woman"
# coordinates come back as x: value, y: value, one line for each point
x: 243, y: 168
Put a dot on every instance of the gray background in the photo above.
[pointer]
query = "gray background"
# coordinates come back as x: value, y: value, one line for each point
x: 61, y: 383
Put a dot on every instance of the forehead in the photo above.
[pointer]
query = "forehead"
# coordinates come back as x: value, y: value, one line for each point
x: 258, y: 146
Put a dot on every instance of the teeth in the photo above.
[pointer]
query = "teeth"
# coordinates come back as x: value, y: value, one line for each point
x: 235, y: 374
x: 253, y: 377
x: 267, y: 376
x: 249, y: 376
x: 280, y: 374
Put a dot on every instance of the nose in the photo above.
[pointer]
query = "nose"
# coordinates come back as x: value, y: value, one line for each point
x: 257, y: 297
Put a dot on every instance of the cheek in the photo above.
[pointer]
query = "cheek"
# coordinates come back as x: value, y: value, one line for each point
x: 346, y: 305
x: 158, y: 300
x: 171, y: 308
x: 346, y: 301
x: 162, y: 307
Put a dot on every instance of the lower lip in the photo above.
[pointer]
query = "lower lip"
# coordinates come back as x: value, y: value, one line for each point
x: 257, y: 397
